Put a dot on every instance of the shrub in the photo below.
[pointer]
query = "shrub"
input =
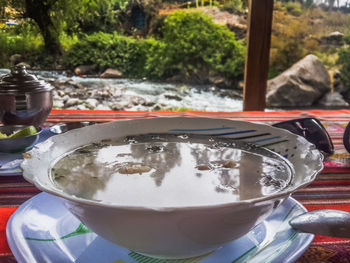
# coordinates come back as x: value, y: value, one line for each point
x: 109, y: 50
x: 19, y: 40
x: 234, y: 6
x: 68, y: 41
x: 195, y: 47
x: 294, y: 8
x: 192, y: 45
x: 344, y: 61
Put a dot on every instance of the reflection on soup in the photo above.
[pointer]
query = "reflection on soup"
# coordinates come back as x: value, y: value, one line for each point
x: 170, y: 170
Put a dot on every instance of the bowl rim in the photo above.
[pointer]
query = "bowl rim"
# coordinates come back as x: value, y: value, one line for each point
x: 53, y: 189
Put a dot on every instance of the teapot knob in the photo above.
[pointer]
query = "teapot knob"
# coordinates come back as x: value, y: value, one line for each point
x: 19, y: 70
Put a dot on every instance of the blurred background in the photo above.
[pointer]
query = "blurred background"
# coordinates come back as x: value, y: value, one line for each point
x: 176, y: 55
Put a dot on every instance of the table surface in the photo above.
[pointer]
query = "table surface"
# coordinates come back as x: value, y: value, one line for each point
x: 331, y: 189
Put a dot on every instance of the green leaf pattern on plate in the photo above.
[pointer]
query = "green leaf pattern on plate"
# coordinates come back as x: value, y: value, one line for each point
x: 81, y: 229
x: 144, y: 259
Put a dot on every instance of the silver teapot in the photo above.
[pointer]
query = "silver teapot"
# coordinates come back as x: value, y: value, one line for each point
x: 24, y: 100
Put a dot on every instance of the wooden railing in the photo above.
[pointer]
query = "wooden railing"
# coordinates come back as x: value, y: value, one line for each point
x: 257, y: 59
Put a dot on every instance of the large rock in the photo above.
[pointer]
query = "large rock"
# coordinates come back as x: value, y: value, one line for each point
x: 221, y: 82
x: 121, y: 105
x: 111, y: 73
x: 72, y: 102
x: 333, y: 39
x: 66, y: 85
x: 85, y: 70
x: 25, y: 64
x: 92, y: 103
x: 301, y: 85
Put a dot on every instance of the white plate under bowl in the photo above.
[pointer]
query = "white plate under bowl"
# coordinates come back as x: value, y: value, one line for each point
x: 43, y: 230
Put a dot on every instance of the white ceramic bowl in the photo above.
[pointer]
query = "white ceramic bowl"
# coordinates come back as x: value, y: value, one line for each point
x: 174, y: 232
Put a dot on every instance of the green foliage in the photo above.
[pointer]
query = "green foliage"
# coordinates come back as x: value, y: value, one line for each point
x: 19, y: 41
x: 234, y: 6
x: 194, y: 46
x: 290, y: 41
x: 190, y: 43
x: 344, y: 61
x: 109, y: 50
x: 25, y: 28
x: 68, y: 41
x: 70, y: 16
x: 294, y: 8
x: 74, y: 16
x: 328, y: 57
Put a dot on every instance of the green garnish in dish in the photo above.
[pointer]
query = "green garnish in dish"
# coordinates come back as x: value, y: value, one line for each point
x: 30, y: 130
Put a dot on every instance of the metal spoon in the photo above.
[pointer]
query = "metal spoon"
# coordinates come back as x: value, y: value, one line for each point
x: 327, y: 222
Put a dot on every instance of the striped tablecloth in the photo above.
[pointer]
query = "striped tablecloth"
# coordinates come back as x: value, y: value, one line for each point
x: 331, y: 190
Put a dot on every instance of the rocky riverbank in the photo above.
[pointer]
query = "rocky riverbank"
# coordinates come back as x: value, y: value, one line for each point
x: 72, y: 92
x: 125, y: 94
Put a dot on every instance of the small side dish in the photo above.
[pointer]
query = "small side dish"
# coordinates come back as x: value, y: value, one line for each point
x: 18, y: 138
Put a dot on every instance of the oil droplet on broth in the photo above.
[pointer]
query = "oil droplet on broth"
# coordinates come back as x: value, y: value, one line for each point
x: 170, y: 170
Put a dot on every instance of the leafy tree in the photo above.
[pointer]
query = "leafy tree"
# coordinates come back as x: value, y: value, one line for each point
x: 40, y: 12
x: 109, y: 50
x: 54, y: 16
x: 15, y: 4
x: 88, y: 16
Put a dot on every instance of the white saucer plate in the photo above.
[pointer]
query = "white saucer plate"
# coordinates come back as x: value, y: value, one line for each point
x: 43, y: 230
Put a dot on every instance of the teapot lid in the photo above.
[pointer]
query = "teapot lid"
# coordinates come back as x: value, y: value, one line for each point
x: 20, y: 81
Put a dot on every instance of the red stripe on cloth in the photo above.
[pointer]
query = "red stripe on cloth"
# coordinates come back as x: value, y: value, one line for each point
x: 5, y: 213
x: 331, y: 113
x: 345, y: 207
x: 8, y: 191
x: 324, y: 239
x: 336, y: 170
x: 325, y: 189
x: 249, y: 116
x: 58, y: 111
x: 330, y: 183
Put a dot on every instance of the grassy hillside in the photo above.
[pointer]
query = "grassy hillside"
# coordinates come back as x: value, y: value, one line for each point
x: 299, y: 31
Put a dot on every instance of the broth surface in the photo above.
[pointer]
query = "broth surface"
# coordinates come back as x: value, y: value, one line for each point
x: 168, y: 170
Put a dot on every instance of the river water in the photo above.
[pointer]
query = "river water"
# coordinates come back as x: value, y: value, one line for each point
x: 199, y: 98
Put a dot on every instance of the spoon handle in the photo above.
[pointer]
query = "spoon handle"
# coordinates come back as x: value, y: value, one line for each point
x: 328, y: 222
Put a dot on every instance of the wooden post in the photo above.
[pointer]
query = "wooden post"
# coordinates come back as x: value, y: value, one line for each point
x: 257, y: 58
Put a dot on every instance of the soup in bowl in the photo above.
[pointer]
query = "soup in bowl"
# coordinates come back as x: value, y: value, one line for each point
x: 173, y: 187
